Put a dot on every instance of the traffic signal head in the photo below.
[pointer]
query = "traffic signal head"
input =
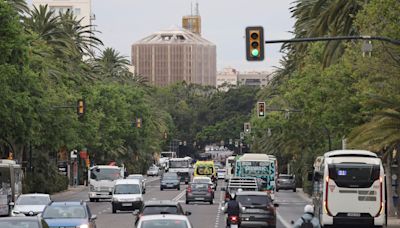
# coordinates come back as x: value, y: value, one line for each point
x: 139, y: 122
x: 261, y: 109
x: 80, y: 108
x: 255, y: 43
x: 247, y: 128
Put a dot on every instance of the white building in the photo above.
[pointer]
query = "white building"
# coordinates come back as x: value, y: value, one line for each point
x: 227, y: 78
x: 254, y: 78
x: 80, y: 8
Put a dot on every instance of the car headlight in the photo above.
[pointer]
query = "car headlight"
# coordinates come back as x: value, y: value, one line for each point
x: 83, y: 226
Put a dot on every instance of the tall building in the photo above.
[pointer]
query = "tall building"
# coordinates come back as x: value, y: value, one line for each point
x: 174, y: 55
x: 193, y: 22
x: 227, y: 78
x: 254, y: 78
x: 80, y: 8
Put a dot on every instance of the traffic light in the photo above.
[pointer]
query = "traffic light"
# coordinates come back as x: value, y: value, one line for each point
x: 81, y: 107
x: 247, y: 128
x: 261, y: 109
x: 139, y: 122
x: 255, y: 43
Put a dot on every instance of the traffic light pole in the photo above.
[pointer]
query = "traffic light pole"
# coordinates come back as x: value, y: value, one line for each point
x: 315, y: 39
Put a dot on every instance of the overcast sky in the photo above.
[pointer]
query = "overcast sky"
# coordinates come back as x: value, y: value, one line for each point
x: 123, y: 22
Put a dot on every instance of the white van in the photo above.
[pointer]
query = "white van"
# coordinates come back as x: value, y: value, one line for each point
x: 127, y: 195
x: 349, y: 189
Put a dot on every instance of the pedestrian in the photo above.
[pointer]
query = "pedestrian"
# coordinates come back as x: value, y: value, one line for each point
x: 307, y: 220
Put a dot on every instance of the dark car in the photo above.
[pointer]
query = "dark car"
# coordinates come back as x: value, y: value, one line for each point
x: 286, y: 181
x: 26, y: 222
x: 258, y: 209
x: 161, y: 207
x: 170, y: 181
x: 69, y: 214
x: 199, y: 192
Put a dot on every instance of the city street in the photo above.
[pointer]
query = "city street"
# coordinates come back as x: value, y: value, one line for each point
x: 203, y: 214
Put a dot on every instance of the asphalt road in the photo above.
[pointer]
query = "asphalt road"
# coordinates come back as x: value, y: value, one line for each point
x: 203, y: 215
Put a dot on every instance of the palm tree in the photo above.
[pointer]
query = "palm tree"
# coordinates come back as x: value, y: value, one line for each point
x: 113, y: 66
x: 19, y: 6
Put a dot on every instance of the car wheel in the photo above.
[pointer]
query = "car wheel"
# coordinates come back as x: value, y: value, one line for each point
x: 91, y: 199
x: 294, y: 190
x: 187, y: 202
x: 161, y: 189
x: 114, y: 210
x: 277, y: 190
x: 212, y: 201
x: 179, y: 188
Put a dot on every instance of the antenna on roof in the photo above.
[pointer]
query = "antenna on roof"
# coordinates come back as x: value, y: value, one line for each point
x: 197, y: 9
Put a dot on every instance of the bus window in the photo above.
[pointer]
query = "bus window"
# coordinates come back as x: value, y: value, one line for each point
x: 354, y: 175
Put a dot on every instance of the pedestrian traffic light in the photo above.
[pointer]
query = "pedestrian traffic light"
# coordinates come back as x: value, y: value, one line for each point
x: 80, y: 108
x: 139, y: 122
x: 255, y: 43
x: 261, y: 109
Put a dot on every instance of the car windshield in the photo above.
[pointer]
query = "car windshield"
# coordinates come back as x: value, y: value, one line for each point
x: 164, y: 223
x: 33, y: 200
x: 286, y: 177
x: 19, y: 224
x: 105, y: 174
x: 135, y: 177
x: 159, y: 209
x: 252, y: 200
x: 170, y: 177
x: 64, y: 212
x: 127, y: 189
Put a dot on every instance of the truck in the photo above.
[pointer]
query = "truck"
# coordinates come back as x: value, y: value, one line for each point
x: 180, y: 166
x: 102, y: 179
x: 164, y: 158
x: 11, y: 176
x: 260, y: 166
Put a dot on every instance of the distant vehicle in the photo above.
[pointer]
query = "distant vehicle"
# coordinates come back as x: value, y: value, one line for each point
x: 229, y: 167
x: 243, y: 183
x: 141, y: 179
x: 160, y: 207
x: 221, y: 173
x: 170, y: 181
x: 69, y: 214
x: 205, y: 180
x: 101, y: 181
x: 206, y: 169
x: 26, y: 222
x: 153, y: 171
x: 199, y: 192
x: 205, y: 157
x: 258, y: 209
x: 180, y: 166
x: 286, y: 182
x: 10, y: 184
x: 30, y: 204
x: 164, y: 221
x: 349, y: 188
x: 127, y: 195
x: 164, y: 158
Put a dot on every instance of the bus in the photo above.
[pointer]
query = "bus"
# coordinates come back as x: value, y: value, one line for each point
x: 260, y: 166
x: 229, y: 167
x: 349, y: 189
x: 11, y: 176
x: 181, y: 166
x: 102, y: 179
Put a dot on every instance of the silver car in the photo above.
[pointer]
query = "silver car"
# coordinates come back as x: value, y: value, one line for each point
x: 30, y: 204
x: 165, y: 221
x: 286, y: 181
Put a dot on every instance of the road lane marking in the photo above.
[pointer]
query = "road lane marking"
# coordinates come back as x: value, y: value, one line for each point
x: 284, y: 223
x: 179, y: 196
x: 216, y: 225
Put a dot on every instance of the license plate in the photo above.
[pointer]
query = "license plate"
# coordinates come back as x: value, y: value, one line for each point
x: 234, y: 226
x: 353, y: 214
x: 170, y: 185
x: 127, y: 204
x: 199, y: 198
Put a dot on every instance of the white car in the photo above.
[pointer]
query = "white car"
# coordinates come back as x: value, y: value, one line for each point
x: 127, y: 195
x: 30, y: 204
x: 221, y: 173
x: 164, y: 221
x: 204, y: 180
x: 142, y: 180
x: 153, y: 171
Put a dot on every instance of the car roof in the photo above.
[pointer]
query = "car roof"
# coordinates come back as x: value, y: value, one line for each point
x: 67, y: 203
x: 164, y: 216
x: 252, y: 193
x: 161, y: 202
x: 35, y: 194
x: 127, y: 181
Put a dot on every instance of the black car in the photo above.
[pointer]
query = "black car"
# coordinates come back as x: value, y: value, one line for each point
x: 28, y: 222
x: 258, y: 209
x: 161, y: 207
x: 170, y: 181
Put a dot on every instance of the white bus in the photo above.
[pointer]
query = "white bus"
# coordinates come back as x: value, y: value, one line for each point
x: 229, y: 168
x: 349, y: 189
x: 102, y: 179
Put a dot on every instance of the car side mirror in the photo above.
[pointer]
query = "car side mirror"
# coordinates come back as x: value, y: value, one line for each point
x: 276, y: 205
x: 187, y: 213
x: 94, y: 217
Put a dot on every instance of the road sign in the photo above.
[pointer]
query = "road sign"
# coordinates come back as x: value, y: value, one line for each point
x: 74, y: 154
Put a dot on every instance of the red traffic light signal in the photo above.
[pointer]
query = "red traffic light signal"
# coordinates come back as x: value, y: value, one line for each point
x: 81, y: 107
x: 255, y: 43
x: 261, y: 109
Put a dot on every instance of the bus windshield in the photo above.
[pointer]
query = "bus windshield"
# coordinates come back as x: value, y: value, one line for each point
x: 354, y: 175
x: 105, y: 174
x: 178, y: 164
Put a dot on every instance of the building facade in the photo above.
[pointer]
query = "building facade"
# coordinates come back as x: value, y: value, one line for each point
x: 175, y: 55
x: 227, y: 78
x: 80, y: 8
x: 254, y: 78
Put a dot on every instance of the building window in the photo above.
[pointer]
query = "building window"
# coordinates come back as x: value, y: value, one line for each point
x: 77, y: 11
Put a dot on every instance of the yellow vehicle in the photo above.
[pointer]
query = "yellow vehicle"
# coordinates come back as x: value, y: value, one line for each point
x: 204, y: 168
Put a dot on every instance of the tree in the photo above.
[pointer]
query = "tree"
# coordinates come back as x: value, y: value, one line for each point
x: 113, y: 66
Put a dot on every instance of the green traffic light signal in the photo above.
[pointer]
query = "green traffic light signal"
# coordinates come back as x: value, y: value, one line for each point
x: 255, y: 52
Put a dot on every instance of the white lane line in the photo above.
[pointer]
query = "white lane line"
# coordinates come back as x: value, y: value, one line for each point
x: 216, y: 225
x: 284, y: 223
x: 179, y: 196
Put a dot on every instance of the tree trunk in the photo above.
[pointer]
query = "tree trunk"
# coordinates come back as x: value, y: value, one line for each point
x: 388, y: 172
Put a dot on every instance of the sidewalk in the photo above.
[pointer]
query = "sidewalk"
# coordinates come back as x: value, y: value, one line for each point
x: 393, y: 222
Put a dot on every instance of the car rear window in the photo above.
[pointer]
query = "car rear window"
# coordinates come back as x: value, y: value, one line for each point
x: 253, y: 200
x: 164, y: 223
x: 159, y: 209
x: 199, y: 187
x: 286, y: 177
